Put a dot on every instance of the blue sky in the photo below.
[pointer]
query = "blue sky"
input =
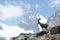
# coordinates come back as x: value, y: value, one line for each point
x: 12, y: 11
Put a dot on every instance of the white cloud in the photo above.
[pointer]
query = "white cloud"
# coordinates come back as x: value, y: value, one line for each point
x: 37, y: 6
x: 12, y: 31
x: 10, y: 11
x: 54, y: 3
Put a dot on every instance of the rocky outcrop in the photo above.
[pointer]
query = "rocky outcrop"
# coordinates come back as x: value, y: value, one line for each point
x: 22, y: 36
x: 55, y: 30
x: 54, y: 35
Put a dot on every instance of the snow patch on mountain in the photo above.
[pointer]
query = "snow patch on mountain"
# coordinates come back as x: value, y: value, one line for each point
x: 29, y: 22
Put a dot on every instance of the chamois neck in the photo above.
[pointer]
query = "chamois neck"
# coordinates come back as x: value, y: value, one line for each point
x: 39, y: 21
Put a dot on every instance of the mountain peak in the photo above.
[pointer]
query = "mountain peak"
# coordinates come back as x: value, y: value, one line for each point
x: 29, y: 22
x: 54, y: 20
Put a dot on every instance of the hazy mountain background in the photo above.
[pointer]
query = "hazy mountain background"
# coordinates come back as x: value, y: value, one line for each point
x: 54, y: 20
x: 29, y: 22
x: 27, y: 25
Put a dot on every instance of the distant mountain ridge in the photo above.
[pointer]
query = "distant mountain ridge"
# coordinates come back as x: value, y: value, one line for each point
x: 29, y: 22
x: 54, y: 20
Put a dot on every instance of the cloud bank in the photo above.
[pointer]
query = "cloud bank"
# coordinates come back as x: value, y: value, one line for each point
x: 12, y: 31
x: 10, y: 11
